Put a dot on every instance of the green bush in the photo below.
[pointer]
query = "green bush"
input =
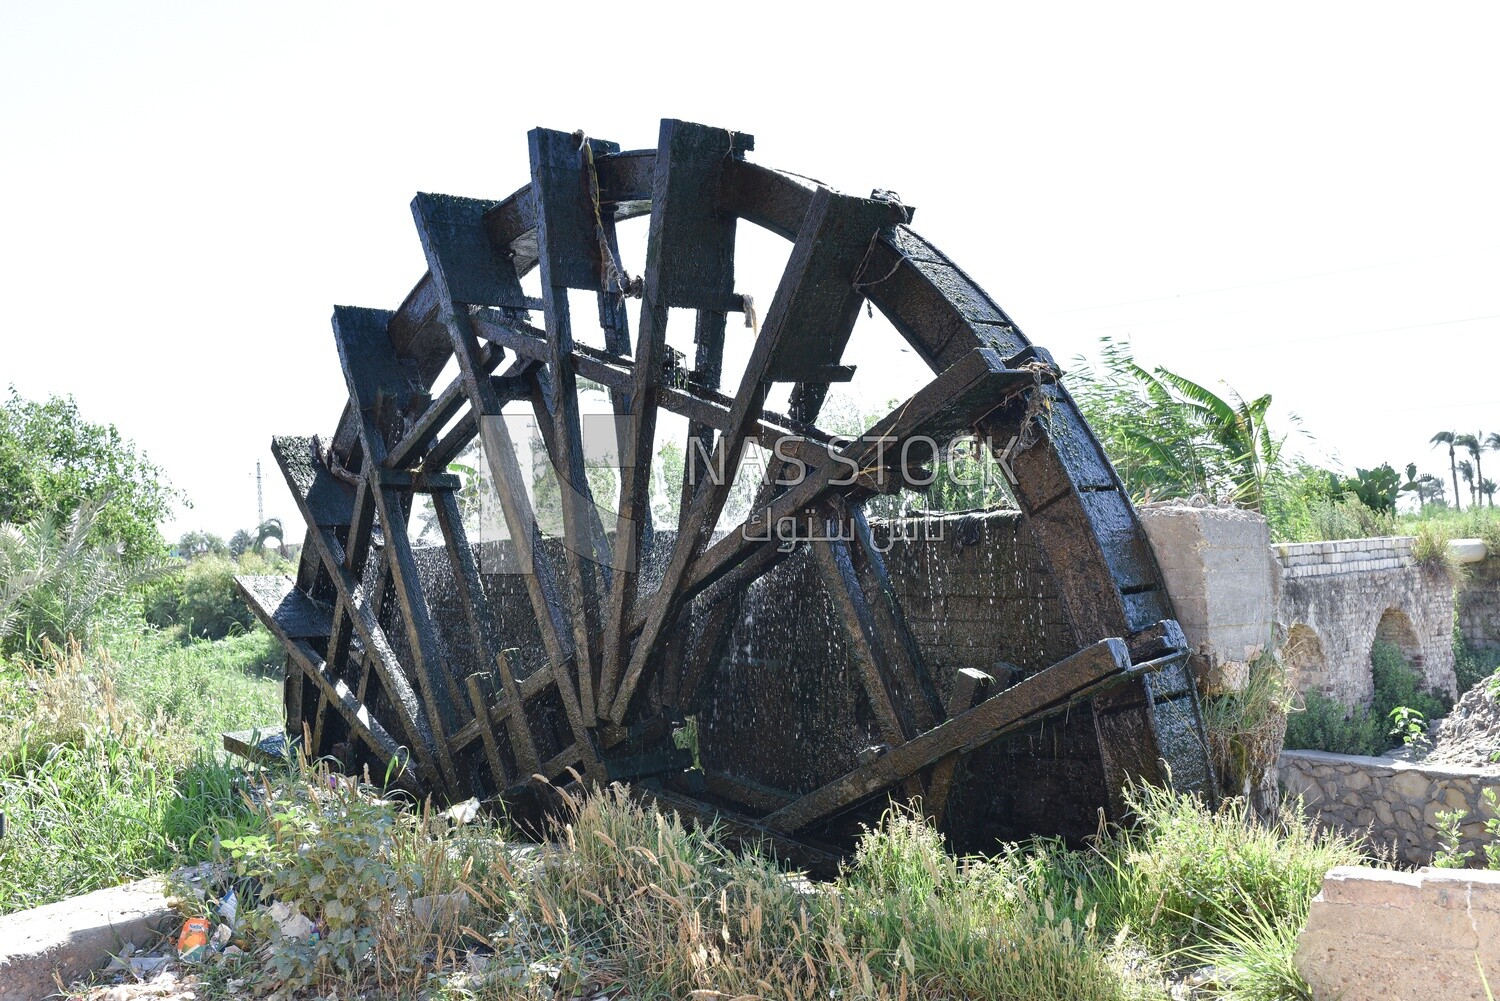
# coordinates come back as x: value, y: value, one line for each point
x: 1472, y: 666
x: 1326, y: 725
x: 210, y: 606
x: 202, y: 599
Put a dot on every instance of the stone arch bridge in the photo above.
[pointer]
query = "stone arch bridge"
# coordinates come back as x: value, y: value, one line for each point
x: 1331, y: 600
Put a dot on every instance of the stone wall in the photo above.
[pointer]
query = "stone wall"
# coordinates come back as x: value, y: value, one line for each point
x: 1337, y: 598
x: 1396, y: 802
x: 1479, y: 604
x: 1377, y: 935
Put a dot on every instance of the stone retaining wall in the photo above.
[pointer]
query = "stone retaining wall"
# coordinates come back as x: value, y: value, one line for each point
x: 1479, y: 604
x: 1397, y: 802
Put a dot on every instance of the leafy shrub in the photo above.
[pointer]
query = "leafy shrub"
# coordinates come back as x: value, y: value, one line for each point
x: 1472, y: 665
x: 1346, y: 518
x: 360, y: 870
x: 203, y: 600
x: 59, y: 582
x: 1326, y: 725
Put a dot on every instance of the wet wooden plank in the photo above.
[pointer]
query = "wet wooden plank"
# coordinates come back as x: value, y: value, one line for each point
x: 471, y: 270
x: 479, y: 699
x: 1044, y: 693
x: 816, y: 287
x: 969, y: 687
x: 521, y: 741
x: 276, y: 599
x: 307, y: 477
x: 375, y: 375
x: 689, y: 264
x: 500, y: 455
x: 574, y: 253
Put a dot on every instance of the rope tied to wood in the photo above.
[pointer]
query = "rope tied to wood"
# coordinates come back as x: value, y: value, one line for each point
x: 860, y: 286
x: 612, y: 275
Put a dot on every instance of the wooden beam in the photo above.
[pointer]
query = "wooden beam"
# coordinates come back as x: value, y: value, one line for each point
x: 317, y: 493
x: 969, y: 687
x: 572, y: 253
x: 689, y: 261
x: 375, y: 375
x: 818, y: 282
x: 486, y: 405
x: 1047, y: 692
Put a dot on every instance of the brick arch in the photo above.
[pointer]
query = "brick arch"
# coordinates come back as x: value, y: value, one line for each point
x: 1395, y: 627
x: 1306, y: 660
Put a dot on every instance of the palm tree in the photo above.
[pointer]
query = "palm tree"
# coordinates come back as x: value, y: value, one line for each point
x: 1493, y: 444
x: 1487, y: 488
x: 1430, y: 488
x: 270, y: 529
x: 1449, y: 438
x: 56, y: 579
x: 1236, y: 426
x: 1414, y: 486
x: 1475, y: 444
x: 1466, y: 470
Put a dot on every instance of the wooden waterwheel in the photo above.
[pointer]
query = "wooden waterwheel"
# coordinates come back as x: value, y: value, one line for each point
x: 589, y: 651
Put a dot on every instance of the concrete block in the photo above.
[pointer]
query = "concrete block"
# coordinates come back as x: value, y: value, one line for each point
x: 1223, y: 583
x: 1377, y: 934
x: 72, y: 937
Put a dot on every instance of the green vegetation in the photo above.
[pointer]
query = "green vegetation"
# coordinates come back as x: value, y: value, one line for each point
x: 52, y: 462
x: 1246, y: 730
x: 58, y: 583
x: 1171, y: 437
x: 1326, y: 725
x: 202, y: 601
x: 108, y: 770
x: 1451, y: 855
x: 632, y: 903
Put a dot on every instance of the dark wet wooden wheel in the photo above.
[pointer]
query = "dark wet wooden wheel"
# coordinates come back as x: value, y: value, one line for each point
x: 594, y: 654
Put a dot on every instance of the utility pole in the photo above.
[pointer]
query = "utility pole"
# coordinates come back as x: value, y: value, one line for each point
x: 260, y: 499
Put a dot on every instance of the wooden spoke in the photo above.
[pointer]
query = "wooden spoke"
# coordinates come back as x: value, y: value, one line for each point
x: 320, y: 498
x: 689, y: 264
x: 816, y: 289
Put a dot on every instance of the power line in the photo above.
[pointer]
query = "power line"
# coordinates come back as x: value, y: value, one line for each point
x: 1272, y: 281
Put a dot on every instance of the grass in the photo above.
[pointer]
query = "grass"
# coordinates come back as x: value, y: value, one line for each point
x: 1247, y: 727
x: 109, y: 769
x: 631, y: 903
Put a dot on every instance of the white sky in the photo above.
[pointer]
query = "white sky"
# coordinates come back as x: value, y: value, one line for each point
x: 1298, y: 199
